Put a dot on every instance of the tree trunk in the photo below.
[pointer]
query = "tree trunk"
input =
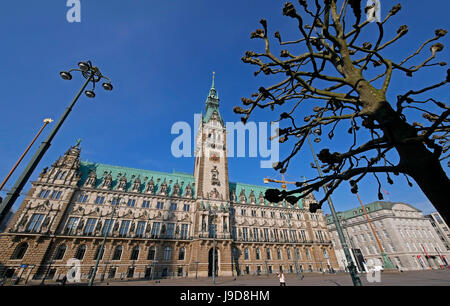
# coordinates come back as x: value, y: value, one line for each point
x: 416, y: 160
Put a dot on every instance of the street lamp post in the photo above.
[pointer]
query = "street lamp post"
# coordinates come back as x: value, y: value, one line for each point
x: 92, y: 75
x: 351, y: 242
x: 387, y: 263
x: 102, y: 248
x: 351, y: 266
x: 212, y: 212
x: 299, y: 275
x: 46, y: 122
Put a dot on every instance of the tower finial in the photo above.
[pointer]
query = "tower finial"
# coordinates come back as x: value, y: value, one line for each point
x: 78, y: 142
x: 214, y: 76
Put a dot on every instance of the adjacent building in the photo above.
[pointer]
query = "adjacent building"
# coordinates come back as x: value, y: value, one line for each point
x: 406, y: 236
x: 441, y: 228
x: 160, y: 224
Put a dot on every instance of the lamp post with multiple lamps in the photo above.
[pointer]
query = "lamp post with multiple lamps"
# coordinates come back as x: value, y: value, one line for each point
x: 299, y: 274
x: 212, y: 213
x: 351, y: 266
x: 92, y: 75
x: 102, y: 248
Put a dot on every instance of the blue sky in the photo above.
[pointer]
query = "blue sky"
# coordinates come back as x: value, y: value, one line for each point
x: 160, y: 56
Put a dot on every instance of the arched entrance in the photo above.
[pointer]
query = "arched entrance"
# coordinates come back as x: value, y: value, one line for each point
x: 210, y: 263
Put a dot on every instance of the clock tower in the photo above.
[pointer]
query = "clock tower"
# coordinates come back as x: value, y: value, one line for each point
x: 211, y: 164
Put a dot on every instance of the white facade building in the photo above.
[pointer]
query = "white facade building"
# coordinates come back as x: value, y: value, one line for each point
x: 406, y: 235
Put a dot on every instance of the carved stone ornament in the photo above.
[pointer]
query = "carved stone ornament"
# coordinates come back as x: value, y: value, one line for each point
x: 215, y: 176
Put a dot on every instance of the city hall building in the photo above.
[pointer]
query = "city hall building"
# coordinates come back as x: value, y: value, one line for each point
x: 160, y: 224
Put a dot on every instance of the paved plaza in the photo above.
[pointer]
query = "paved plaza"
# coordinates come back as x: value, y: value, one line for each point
x: 415, y: 278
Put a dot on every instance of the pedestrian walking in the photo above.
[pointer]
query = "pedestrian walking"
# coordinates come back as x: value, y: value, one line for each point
x: 282, y: 280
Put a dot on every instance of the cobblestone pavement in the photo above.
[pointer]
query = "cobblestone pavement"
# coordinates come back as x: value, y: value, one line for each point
x: 415, y: 278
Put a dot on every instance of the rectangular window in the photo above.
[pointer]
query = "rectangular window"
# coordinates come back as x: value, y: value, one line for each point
x: 56, y: 195
x: 263, y: 214
x: 184, y: 231
x: 212, y: 230
x: 131, y: 202
x: 155, y: 229
x: 107, y: 227
x: 266, y: 234
x: 243, y: 212
x: 124, y: 228
x: 173, y: 206
x: 272, y: 214
x: 82, y: 198
x: 146, y: 204
x: 245, y: 233
x: 140, y: 229
x: 35, y: 222
x: 44, y: 193
x: 170, y: 229
x: 72, y: 224
x: 90, y: 225
x: 255, y: 234
x: 253, y: 213
x: 99, y: 200
x: 186, y: 207
x: 160, y: 205
x: 115, y: 201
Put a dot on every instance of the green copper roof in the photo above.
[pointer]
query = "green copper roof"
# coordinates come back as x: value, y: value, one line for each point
x: 145, y: 176
x: 183, y: 179
x: 371, y: 207
x: 257, y: 190
x: 212, y: 104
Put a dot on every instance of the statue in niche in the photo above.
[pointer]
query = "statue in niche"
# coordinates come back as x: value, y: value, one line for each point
x: 215, y: 194
x: 163, y: 188
x: 151, y: 186
x: 215, y: 176
x: 188, y: 193
x: 176, y: 190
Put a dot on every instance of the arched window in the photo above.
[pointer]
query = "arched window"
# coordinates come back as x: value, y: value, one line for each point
x: 258, y: 254
x: 246, y: 254
x: 20, y: 250
x: 99, y: 254
x: 134, y: 253
x: 269, y: 254
x: 117, y: 253
x: 181, y: 254
x: 80, y: 252
x: 151, y: 253
x: 308, y: 256
x: 288, y: 254
x: 60, y: 251
x: 279, y: 254
x: 167, y: 253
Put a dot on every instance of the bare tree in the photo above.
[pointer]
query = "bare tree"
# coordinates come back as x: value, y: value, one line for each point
x: 339, y: 75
